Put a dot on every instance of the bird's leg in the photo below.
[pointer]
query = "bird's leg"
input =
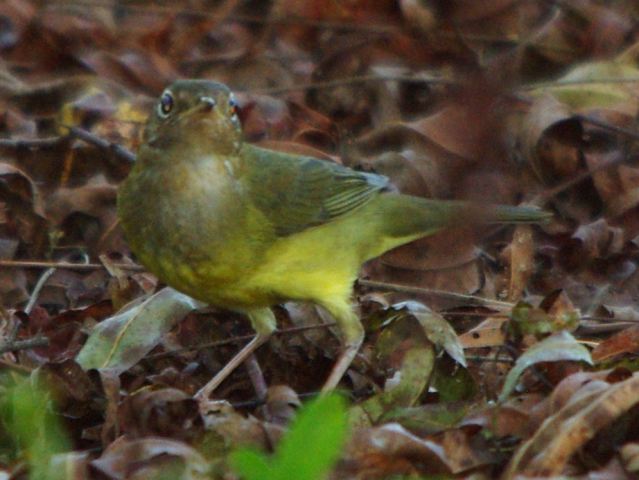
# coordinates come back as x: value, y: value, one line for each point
x: 352, y: 335
x: 263, y: 322
x: 257, y: 377
x: 257, y: 341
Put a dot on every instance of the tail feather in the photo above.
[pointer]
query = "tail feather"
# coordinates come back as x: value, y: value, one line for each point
x: 399, y: 219
x: 405, y: 215
x: 524, y: 214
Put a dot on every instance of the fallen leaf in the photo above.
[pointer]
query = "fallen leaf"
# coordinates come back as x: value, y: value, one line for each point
x: 561, y: 435
x: 561, y: 346
x: 121, y: 341
x: 625, y: 341
x: 123, y: 457
x: 436, y: 328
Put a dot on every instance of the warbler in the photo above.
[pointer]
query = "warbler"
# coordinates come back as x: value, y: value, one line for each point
x: 245, y: 228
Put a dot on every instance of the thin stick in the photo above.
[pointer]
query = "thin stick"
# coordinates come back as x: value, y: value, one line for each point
x: 39, y: 341
x: 482, y: 358
x: 393, y: 287
x: 18, y: 144
x: 202, y: 395
x: 86, y: 136
x: 68, y: 265
x: 38, y: 287
x: 74, y: 132
x: 241, y: 338
x: 562, y: 83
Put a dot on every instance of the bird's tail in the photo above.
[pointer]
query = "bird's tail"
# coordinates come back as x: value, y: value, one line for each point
x: 510, y: 214
x: 405, y: 215
x: 399, y: 219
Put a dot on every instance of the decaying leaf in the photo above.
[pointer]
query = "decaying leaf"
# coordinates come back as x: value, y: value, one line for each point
x: 625, y: 341
x: 591, y: 409
x: 436, y: 328
x: 498, y: 101
x: 147, y: 458
x: 561, y: 346
x: 121, y: 341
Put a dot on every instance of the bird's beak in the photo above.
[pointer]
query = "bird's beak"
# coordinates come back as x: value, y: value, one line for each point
x: 205, y: 105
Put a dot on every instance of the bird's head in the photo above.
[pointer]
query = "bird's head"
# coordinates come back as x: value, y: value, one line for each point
x: 195, y: 113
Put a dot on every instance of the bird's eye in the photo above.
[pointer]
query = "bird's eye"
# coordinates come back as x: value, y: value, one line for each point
x: 234, y: 107
x: 166, y: 104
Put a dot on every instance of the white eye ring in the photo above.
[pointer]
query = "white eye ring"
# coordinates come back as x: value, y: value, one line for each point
x: 165, y: 105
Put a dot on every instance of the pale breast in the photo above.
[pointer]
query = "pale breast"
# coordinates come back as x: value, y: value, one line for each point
x: 191, y: 226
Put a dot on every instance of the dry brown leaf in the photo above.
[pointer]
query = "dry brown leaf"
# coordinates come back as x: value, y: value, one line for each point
x: 591, y: 242
x: 510, y: 418
x: 489, y: 333
x: 281, y: 405
x: 386, y: 445
x: 630, y: 456
x: 146, y: 457
x: 625, y: 341
x: 591, y: 409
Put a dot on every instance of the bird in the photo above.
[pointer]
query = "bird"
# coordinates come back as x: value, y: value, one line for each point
x: 246, y: 228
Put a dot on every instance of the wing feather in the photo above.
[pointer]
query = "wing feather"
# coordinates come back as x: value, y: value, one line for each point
x: 296, y: 193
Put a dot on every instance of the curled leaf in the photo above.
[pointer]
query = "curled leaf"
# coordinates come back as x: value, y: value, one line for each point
x: 561, y: 346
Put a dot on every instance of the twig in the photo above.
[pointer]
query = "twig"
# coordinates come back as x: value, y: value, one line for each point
x: 473, y: 314
x: 254, y: 371
x: 39, y: 341
x: 483, y: 358
x: 562, y: 83
x: 74, y: 132
x: 241, y: 338
x: 19, y: 144
x: 38, y: 287
x: 393, y: 287
x: 67, y: 265
x: 88, y: 137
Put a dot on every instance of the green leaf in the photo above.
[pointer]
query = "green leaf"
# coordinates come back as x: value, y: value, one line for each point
x: 26, y: 412
x: 119, y: 342
x: 430, y: 418
x: 561, y: 346
x: 407, y: 344
x: 250, y: 464
x: 594, y: 85
x: 314, y: 442
x: 453, y: 384
x: 308, y: 450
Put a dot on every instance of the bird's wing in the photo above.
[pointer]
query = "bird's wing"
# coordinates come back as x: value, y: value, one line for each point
x: 296, y: 192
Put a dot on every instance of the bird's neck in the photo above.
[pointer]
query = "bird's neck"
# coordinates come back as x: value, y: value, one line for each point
x: 183, y: 152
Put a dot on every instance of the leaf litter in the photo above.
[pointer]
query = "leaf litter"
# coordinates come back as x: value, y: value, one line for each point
x: 490, y: 353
